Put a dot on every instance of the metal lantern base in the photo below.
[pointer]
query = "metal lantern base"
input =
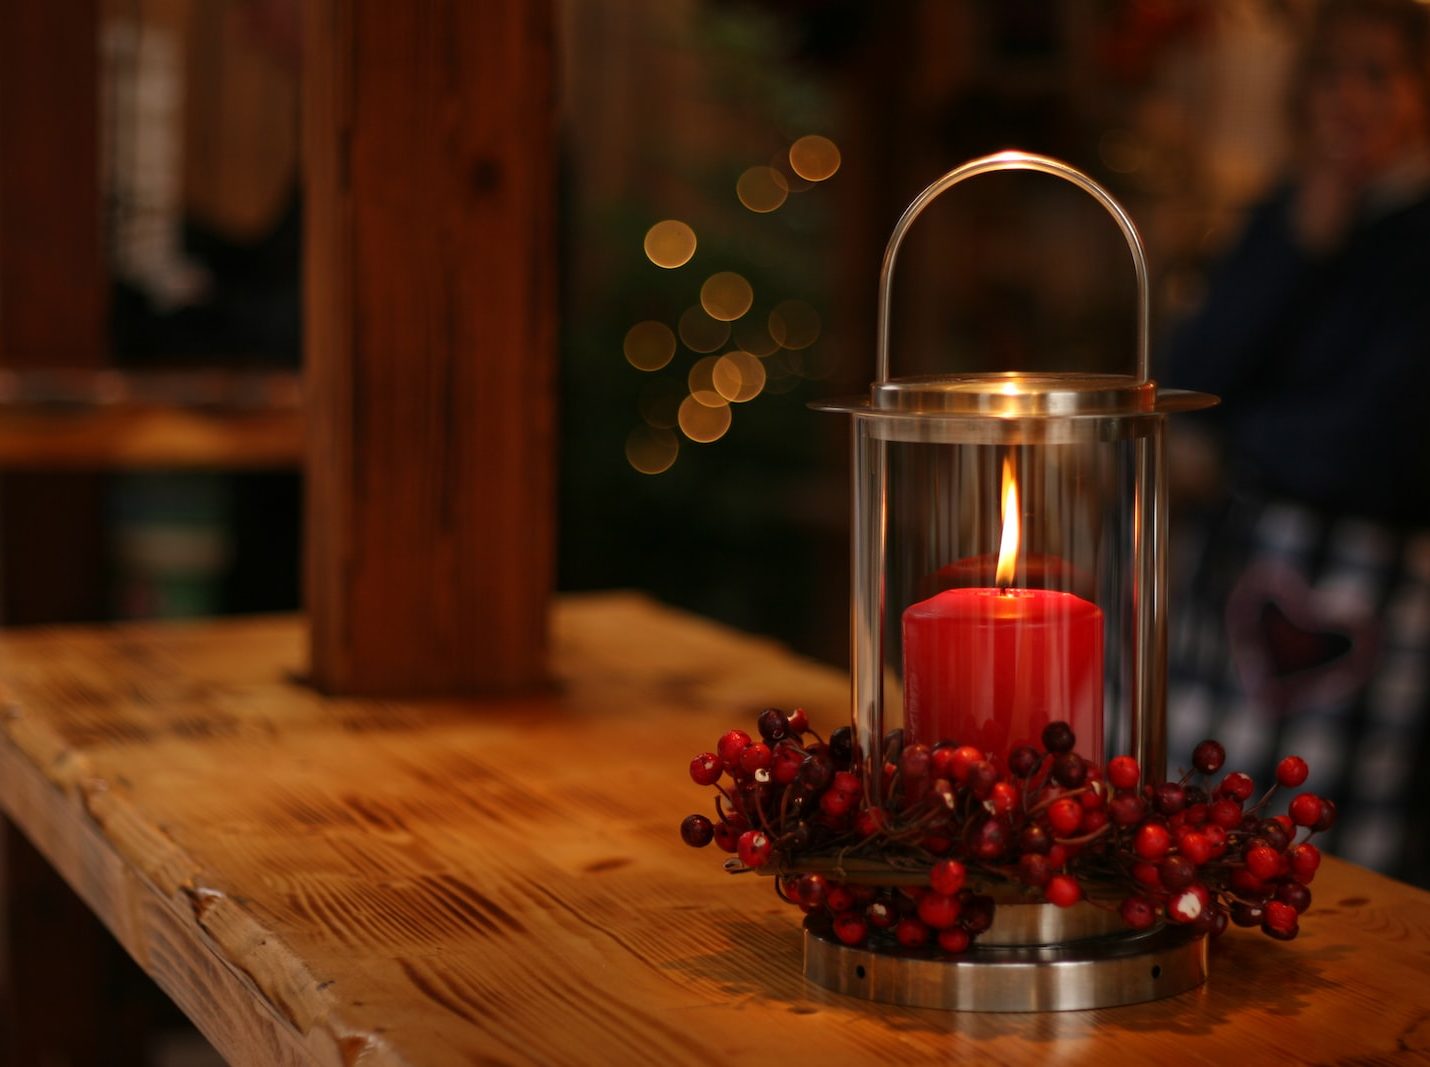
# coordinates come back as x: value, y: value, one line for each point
x: 1100, y: 972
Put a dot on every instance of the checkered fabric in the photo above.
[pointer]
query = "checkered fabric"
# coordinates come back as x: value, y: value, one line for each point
x: 1295, y: 633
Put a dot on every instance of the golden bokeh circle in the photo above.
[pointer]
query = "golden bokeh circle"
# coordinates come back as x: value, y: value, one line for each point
x: 762, y: 189
x: 670, y: 244
x: 726, y: 296
x: 702, y: 383
x: 649, y: 345
x: 753, y: 336
x: 794, y: 324
x: 703, y: 424
x: 651, y: 450
x: 699, y: 332
x: 738, y: 377
x: 814, y: 158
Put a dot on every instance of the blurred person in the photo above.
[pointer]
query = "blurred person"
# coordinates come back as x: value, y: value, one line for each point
x: 1306, y: 625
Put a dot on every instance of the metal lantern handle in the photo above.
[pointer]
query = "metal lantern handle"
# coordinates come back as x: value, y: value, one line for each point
x: 1013, y: 160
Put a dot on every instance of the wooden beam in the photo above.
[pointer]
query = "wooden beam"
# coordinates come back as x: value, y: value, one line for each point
x: 429, y: 150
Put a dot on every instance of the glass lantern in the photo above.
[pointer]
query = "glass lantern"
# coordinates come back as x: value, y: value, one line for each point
x: 1009, y: 556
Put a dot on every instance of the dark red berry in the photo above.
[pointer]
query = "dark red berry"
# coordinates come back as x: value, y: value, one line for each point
x: 1138, y: 912
x: 847, y: 783
x: 914, y: 762
x: 1123, y: 772
x: 871, y: 821
x: 1274, y: 834
x: 1208, y: 756
x: 1295, y: 894
x: 948, y: 876
x: 1023, y: 761
x: 1034, y: 839
x: 954, y: 940
x: 838, y: 899
x: 1034, y: 869
x: 1170, y: 798
x: 816, y: 772
x: 798, y: 721
x: 1246, y: 913
x: 1063, y: 890
x: 1070, y: 770
x: 1225, y: 813
x: 1328, y: 817
x: 1305, y: 809
x: 812, y: 889
x: 1219, y: 920
x: 989, y: 839
x: 1291, y: 772
x: 773, y: 725
x: 1177, y: 872
x: 697, y: 831
x: 841, y: 746
x: 850, y: 928
x: 731, y: 745
x: 938, y: 910
x: 911, y: 933
x: 834, y: 803
x: 977, y: 914
x: 1093, y: 820
x: 1127, y: 809
x: 982, y: 777
x: 706, y: 768
x: 1058, y: 737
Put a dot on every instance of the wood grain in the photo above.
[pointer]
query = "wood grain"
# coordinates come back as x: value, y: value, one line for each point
x: 343, y: 881
x: 429, y: 141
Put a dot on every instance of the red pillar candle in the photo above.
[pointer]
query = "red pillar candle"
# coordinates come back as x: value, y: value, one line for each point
x: 992, y: 667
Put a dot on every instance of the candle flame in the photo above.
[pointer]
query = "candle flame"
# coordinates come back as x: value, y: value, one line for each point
x: 1008, y: 550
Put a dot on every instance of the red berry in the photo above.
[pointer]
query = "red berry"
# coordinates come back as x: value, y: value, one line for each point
x: 1280, y: 917
x: 1063, y: 890
x: 1305, y: 809
x: 881, y: 914
x: 697, y: 831
x: 1304, y: 859
x: 1065, y: 816
x: 1152, y: 841
x: 1123, y: 772
x: 948, y: 876
x: 1263, y: 861
x: 1147, y: 874
x: 1246, y: 884
x: 1126, y: 810
x: 756, y: 757
x: 1237, y: 786
x: 1187, y: 905
x: 915, y: 761
x: 811, y: 892
x: 1328, y: 817
x: 1225, y: 813
x: 798, y: 721
x: 911, y: 933
x: 727, y: 834
x: 838, y: 899
x: 706, y: 768
x: 1292, y: 771
x: 1295, y: 894
x: 834, y: 803
x: 954, y: 940
x: 963, y: 760
x: 754, y: 848
x: 1170, y: 798
x: 1216, y: 840
x: 1208, y: 756
x: 1246, y: 914
x: 1092, y: 821
x: 731, y: 745
x: 1177, y: 872
x: 938, y: 910
x: 850, y: 929
x: 870, y: 821
x: 1069, y: 769
x: 1093, y: 798
x: 847, y: 783
x: 786, y: 765
x: 1033, y: 869
x: 982, y: 777
x: 1004, y: 797
x: 1058, y: 856
x: 1138, y: 912
x: 1195, y: 847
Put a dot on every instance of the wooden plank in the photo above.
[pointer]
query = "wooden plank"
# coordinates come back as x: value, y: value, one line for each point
x: 137, y: 438
x: 429, y: 316
x: 445, y: 882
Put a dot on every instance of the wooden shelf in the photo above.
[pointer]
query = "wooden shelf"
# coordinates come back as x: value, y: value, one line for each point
x: 343, y: 881
x: 109, y: 420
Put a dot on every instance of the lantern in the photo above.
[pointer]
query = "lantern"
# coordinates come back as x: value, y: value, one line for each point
x: 1009, y: 569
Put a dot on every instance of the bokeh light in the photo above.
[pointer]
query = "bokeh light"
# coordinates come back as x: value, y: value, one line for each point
x: 703, y: 424
x: 702, y: 383
x: 649, y: 345
x: 794, y: 324
x: 699, y: 332
x: 738, y: 377
x: 651, y: 450
x: 660, y: 403
x: 726, y: 296
x: 670, y: 244
x: 752, y: 335
x: 762, y: 189
x: 814, y: 158
x: 780, y: 375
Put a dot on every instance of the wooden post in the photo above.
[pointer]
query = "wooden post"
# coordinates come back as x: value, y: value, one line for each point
x: 53, y: 291
x: 429, y: 141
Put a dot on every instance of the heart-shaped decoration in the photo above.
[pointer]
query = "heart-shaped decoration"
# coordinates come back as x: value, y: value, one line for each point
x: 1295, y: 647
